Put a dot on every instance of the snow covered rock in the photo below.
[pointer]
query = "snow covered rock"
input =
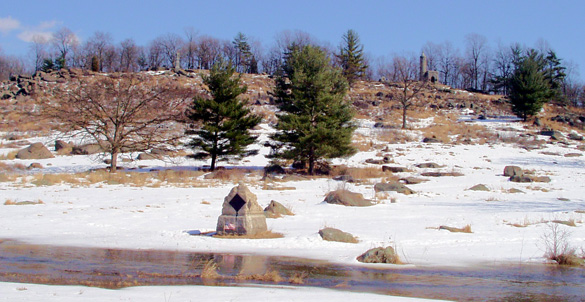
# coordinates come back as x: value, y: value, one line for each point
x: 513, y: 171
x: 275, y: 209
x: 379, y: 255
x: 347, y: 198
x: 332, y: 234
x: 35, y: 151
x: 397, y: 187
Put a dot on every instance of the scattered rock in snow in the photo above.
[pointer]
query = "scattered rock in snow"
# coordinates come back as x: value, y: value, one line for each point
x: 331, y: 234
x: 573, y: 155
x: 513, y: 171
x: 429, y: 165
x: 394, y: 169
x: 518, y: 178
x: 86, y: 149
x: 540, y: 178
x: 346, y: 178
x: 396, y: 187
x: 480, y: 187
x: 441, y: 174
x: 148, y: 156
x: 413, y: 180
x: 35, y: 166
x: 375, y: 161
x: 380, y: 255
x: 347, y: 198
x: 63, y: 147
x: 35, y: 151
x: 275, y: 210
x: 430, y: 140
x: 575, y: 136
x: 273, y: 170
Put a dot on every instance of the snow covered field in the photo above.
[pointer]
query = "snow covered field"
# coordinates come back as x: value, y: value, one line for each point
x: 36, y: 292
x: 119, y: 216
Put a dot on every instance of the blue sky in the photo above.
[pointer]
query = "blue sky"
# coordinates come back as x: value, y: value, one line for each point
x: 385, y: 27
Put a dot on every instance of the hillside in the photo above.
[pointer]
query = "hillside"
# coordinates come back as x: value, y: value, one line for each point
x: 451, y: 201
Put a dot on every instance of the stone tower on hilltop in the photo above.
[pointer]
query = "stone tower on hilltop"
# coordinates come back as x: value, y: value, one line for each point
x: 425, y: 74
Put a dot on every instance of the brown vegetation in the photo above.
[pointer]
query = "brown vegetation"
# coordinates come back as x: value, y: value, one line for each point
x: 465, y: 229
x: 263, y: 235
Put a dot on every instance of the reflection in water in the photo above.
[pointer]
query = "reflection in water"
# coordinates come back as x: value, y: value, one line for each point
x: 114, y: 268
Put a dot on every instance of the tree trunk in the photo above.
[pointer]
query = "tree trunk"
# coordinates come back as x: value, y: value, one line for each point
x: 311, y: 165
x: 213, y: 159
x: 114, y: 161
x: 403, y: 117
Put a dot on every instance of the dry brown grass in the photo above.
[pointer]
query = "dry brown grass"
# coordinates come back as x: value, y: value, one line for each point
x: 395, y: 136
x: 465, y: 229
x: 11, y: 167
x: 298, y: 278
x: 9, y: 156
x: 177, y: 177
x: 263, y: 235
x: 10, y: 202
x: 233, y: 175
x: 268, y: 114
x: 362, y: 142
x: 133, y: 179
x: 447, y: 129
x: 210, y: 270
x: 358, y: 173
x: 270, y: 276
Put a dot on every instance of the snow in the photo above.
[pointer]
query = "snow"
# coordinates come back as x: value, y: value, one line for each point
x: 36, y: 292
x: 119, y: 216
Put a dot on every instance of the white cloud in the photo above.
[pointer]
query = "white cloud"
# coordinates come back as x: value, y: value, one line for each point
x: 31, y: 35
x: 42, y: 31
x: 48, y: 24
x: 8, y: 24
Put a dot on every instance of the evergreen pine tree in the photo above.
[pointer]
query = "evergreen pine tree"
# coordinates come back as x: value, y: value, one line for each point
x: 225, y: 119
x: 555, y: 75
x: 529, y: 87
x: 48, y: 65
x: 315, y: 119
x: 95, y: 64
x: 243, y: 53
x: 351, y: 57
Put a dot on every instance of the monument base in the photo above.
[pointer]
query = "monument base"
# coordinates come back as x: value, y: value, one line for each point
x: 241, y: 225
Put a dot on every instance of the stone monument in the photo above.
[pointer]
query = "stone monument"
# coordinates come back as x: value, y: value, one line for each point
x: 241, y: 214
x: 425, y: 74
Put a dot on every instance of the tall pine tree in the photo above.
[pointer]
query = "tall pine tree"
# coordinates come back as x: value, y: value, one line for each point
x: 555, y: 75
x: 315, y: 118
x: 243, y: 56
x: 529, y: 87
x: 351, y: 57
x: 225, y: 119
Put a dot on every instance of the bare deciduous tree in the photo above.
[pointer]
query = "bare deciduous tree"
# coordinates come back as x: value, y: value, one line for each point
x: 190, y: 47
x: 125, y: 114
x: 98, y: 46
x: 65, y: 41
x: 155, y: 55
x: 406, y: 71
x: 38, y: 50
x: 208, y: 51
x: 170, y: 45
x: 476, y: 51
x: 129, y: 54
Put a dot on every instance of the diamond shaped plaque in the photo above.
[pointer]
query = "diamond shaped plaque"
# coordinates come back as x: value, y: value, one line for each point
x: 237, y: 202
